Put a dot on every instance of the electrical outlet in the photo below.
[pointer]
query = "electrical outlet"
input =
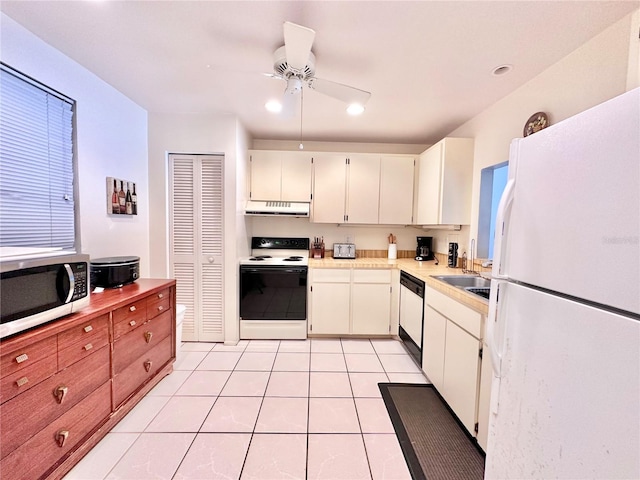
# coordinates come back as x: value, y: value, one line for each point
x: 348, y: 239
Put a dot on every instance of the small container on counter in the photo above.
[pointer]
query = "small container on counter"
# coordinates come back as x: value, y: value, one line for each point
x: 317, y: 247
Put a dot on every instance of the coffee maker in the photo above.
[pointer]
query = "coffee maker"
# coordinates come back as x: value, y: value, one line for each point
x: 424, y: 251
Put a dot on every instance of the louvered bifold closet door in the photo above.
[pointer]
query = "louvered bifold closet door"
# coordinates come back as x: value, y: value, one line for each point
x: 195, y: 245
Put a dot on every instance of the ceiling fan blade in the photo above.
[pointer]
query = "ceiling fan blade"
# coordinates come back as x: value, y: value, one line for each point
x: 339, y: 91
x: 297, y: 42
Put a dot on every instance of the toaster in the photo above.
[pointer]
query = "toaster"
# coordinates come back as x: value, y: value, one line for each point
x: 344, y: 250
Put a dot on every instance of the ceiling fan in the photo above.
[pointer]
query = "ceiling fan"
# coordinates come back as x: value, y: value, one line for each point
x: 295, y: 63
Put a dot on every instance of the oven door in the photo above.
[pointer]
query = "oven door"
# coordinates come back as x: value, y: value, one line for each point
x: 273, y: 293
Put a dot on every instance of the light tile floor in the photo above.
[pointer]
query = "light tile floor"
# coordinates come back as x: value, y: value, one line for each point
x: 263, y: 410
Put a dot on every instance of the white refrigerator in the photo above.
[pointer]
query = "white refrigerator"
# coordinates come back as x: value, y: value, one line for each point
x: 564, y: 312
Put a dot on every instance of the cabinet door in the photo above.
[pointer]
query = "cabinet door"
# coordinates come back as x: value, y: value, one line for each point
x: 396, y: 190
x: 266, y: 171
x: 461, y: 373
x: 457, y: 177
x: 330, y: 308
x: 429, y: 185
x: 433, y: 343
x: 363, y: 194
x: 371, y: 308
x: 486, y: 377
x: 329, y: 188
x: 296, y: 177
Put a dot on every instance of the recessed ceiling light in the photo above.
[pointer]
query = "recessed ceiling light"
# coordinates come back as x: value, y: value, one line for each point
x: 355, y: 109
x: 274, y: 106
x: 502, y: 70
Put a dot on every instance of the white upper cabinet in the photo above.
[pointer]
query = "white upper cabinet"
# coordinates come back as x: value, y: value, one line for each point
x: 396, y: 190
x: 329, y: 188
x: 277, y: 175
x: 445, y: 173
x: 362, y: 189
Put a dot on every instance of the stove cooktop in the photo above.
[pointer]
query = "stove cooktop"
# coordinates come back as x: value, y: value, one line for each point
x: 278, y: 251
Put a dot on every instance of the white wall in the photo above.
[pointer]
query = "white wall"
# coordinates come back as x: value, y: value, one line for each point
x: 597, y: 71
x: 111, y: 142
x: 200, y: 134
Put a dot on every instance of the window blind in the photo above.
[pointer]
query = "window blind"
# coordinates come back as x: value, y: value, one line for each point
x: 36, y: 164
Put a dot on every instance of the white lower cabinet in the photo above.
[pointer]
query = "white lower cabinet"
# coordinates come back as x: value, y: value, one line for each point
x: 451, y: 356
x: 350, y: 301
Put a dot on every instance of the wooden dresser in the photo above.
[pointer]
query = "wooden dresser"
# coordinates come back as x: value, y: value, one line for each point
x: 65, y: 384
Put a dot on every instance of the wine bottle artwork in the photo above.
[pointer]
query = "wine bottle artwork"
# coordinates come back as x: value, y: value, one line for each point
x: 122, y: 197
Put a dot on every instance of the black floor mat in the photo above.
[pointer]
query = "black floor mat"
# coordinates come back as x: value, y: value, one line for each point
x: 435, y: 445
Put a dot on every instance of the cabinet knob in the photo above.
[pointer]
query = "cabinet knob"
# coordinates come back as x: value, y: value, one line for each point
x: 22, y: 358
x: 88, y: 328
x: 132, y: 323
x: 61, y: 437
x: 88, y: 346
x: 60, y: 393
x: 147, y: 336
x: 160, y: 308
x: 161, y: 295
x: 147, y: 365
x: 211, y: 259
x: 22, y: 381
x: 132, y: 308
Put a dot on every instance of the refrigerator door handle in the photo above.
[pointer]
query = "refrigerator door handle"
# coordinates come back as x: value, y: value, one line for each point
x: 502, y: 226
x: 495, y: 327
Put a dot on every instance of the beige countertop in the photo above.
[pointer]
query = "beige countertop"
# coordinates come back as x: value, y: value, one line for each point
x: 420, y: 270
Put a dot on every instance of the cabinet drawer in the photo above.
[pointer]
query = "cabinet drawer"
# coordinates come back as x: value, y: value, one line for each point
x: 158, y: 303
x: 463, y: 316
x: 334, y: 275
x: 129, y: 317
x: 132, y: 345
x: 85, y: 332
x: 35, y: 457
x: 141, y: 369
x: 26, y: 378
x: 94, y: 340
x: 13, y: 360
x: 23, y: 416
x: 372, y: 276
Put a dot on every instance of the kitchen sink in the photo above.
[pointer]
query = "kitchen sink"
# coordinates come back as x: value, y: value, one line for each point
x: 464, y: 281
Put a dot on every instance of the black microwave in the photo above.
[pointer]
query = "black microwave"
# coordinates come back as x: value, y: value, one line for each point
x: 36, y: 291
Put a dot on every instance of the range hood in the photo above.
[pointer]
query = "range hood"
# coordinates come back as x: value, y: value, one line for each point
x: 288, y: 209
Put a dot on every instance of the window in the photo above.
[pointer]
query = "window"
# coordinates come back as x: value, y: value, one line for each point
x: 492, y: 183
x: 37, y: 166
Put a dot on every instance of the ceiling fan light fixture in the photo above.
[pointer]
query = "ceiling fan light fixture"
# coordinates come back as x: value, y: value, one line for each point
x: 355, y: 109
x: 273, y: 106
x: 294, y: 85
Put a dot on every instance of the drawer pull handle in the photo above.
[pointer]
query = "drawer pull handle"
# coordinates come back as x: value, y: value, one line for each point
x: 61, y: 437
x: 160, y: 308
x: 132, y: 323
x: 88, y: 328
x: 147, y: 365
x: 22, y: 381
x: 147, y: 336
x: 60, y: 393
x: 132, y: 308
x: 161, y: 295
x: 22, y: 358
x: 88, y: 346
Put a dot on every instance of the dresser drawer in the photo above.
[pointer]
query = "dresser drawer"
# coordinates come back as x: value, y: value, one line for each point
x: 140, y: 371
x: 97, y: 339
x: 35, y: 457
x: 34, y: 410
x: 158, y: 303
x: 129, y: 317
x: 134, y: 344
x: 27, y: 378
x: 13, y: 360
x: 85, y: 332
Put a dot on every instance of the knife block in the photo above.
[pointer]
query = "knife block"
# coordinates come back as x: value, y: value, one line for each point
x: 317, y: 252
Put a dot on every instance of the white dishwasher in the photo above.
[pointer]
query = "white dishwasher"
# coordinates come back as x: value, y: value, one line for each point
x: 411, y: 314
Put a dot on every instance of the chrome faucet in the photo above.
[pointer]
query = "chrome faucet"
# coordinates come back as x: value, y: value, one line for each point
x: 465, y: 268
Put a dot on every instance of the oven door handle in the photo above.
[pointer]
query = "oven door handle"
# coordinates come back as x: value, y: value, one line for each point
x: 272, y: 270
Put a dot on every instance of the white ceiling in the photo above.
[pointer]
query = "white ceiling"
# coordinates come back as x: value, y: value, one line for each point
x: 427, y: 64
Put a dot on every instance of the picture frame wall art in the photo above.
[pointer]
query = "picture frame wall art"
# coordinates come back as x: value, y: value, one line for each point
x: 122, y: 197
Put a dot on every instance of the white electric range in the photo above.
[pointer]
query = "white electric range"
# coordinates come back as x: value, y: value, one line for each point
x: 273, y: 289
